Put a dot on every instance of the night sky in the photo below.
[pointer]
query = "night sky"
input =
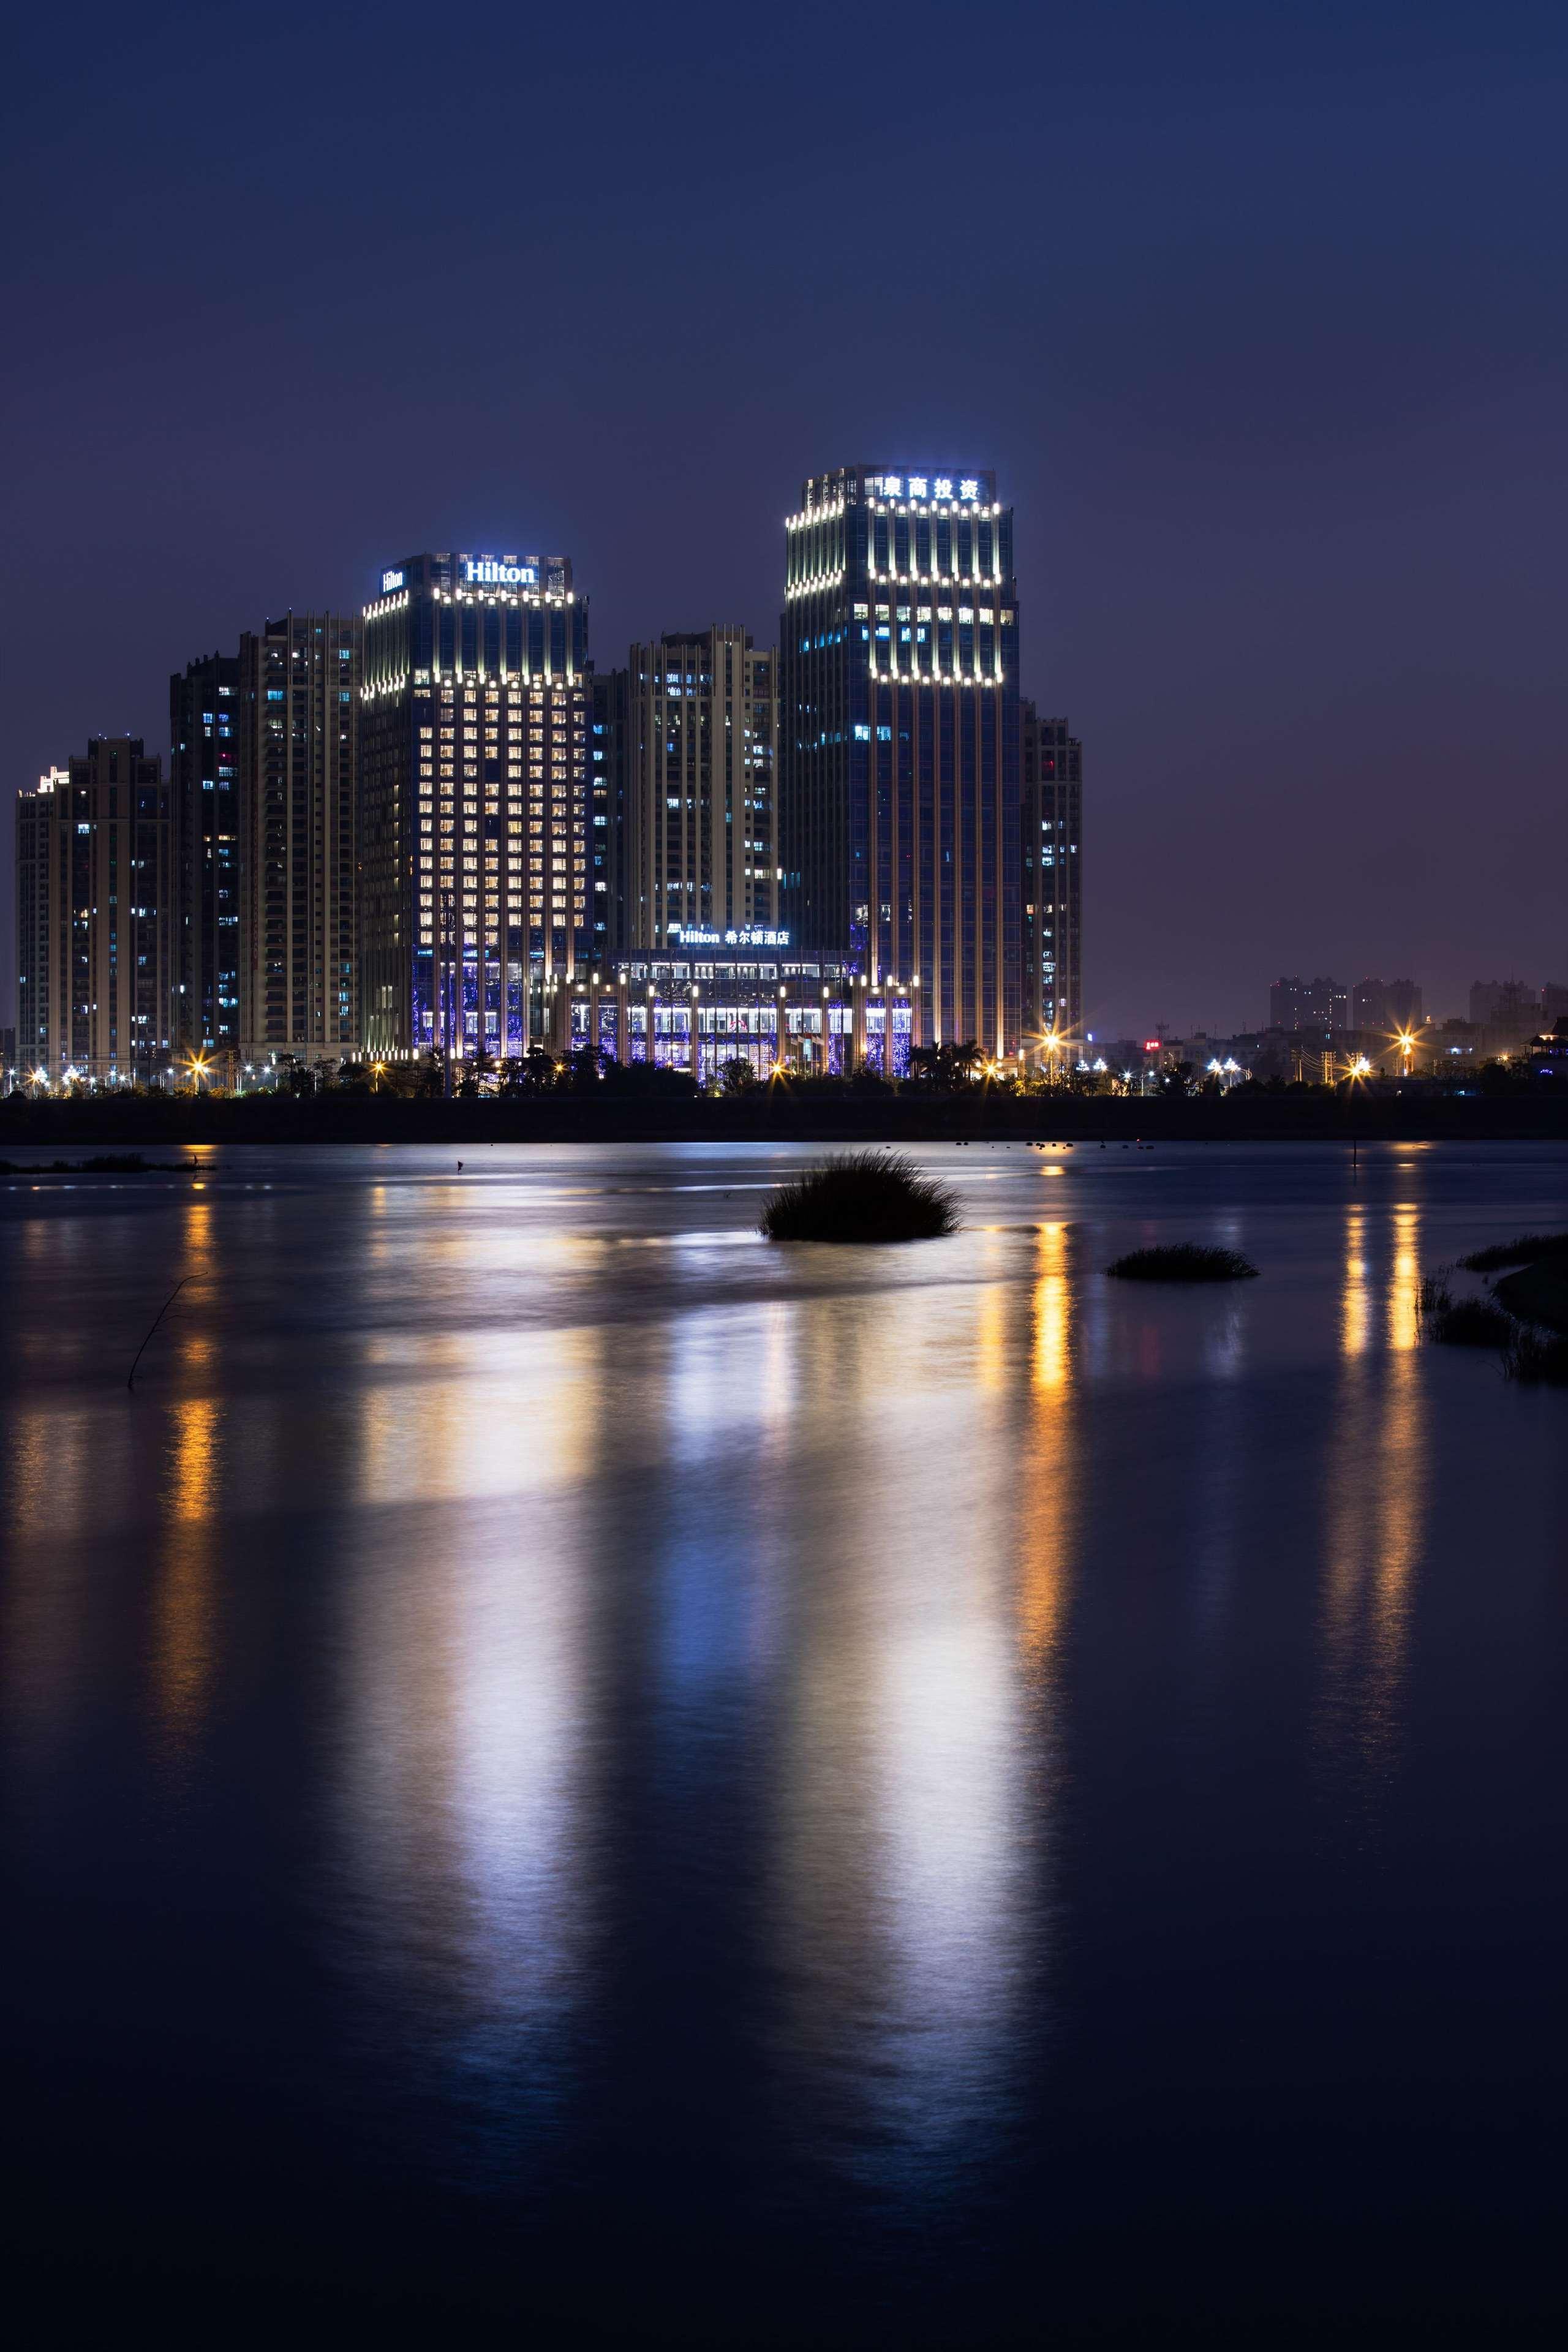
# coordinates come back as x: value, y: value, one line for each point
x: 1258, y: 310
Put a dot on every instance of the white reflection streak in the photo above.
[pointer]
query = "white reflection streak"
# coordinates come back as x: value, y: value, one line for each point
x: 943, y: 1809
x: 466, y: 1744
x: 904, y: 1892
x: 515, y: 1788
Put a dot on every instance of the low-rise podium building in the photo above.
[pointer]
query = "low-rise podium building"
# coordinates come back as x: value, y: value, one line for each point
x: 709, y: 997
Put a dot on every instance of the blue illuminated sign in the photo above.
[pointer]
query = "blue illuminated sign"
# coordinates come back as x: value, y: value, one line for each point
x: 390, y: 580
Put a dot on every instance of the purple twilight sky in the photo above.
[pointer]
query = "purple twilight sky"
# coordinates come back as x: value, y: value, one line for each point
x: 1257, y: 311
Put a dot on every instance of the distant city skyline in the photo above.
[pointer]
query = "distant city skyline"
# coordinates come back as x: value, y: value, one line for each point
x: 1281, y: 441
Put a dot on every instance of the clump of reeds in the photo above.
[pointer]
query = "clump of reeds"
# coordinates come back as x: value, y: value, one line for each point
x: 1460, y: 1322
x: 1528, y: 1250
x: 1537, y: 1358
x: 1472, y: 1323
x: 860, y: 1196
x: 1184, y: 1262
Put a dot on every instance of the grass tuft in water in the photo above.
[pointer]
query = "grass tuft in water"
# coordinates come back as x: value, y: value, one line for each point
x: 1528, y: 1250
x: 1539, y: 1358
x: 1184, y: 1262
x: 1472, y: 1323
x: 860, y: 1196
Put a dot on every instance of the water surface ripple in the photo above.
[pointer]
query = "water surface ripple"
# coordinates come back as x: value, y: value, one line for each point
x: 560, y: 1759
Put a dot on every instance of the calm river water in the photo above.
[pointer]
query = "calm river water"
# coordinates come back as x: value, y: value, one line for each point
x: 559, y: 1760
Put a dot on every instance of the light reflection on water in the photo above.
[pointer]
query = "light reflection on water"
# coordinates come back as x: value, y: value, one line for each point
x: 883, y: 1642
x: 1376, y: 1479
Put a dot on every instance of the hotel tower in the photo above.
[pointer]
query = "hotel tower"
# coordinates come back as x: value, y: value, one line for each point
x: 690, y: 731
x: 474, y: 763
x: 899, y: 743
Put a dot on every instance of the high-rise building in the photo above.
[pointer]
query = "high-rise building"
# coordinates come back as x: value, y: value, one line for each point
x: 1308, y: 1004
x: 1050, y: 827
x: 204, y: 817
x: 610, y: 926
x: 92, y: 916
x: 297, y: 742
x: 1388, y: 1007
x: 692, y: 725
x: 899, y: 743
x: 474, y: 740
x: 1508, y: 1010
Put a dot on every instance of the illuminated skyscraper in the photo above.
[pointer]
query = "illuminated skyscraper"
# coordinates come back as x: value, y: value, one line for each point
x: 203, y: 820
x: 297, y: 742
x: 1051, y: 826
x: 899, y: 742
x: 474, y: 802
x: 92, y: 916
x: 690, y: 729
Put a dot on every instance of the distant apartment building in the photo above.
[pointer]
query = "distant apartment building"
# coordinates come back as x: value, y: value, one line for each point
x: 1050, y: 827
x: 1387, y: 1007
x: 1295, y: 1004
x: 1503, y: 1005
x: 297, y: 740
x: 93, y: 885
x: 690, y: 730
x: 203, y: 819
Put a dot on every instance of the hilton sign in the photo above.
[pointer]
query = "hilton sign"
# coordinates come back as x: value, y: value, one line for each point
x: 483, y: 570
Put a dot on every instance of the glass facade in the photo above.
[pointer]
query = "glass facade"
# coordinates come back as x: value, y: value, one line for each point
x: 690, y: 731
x: 203, y: 815
x: 298, y: 707
x: 899, y: 745
x: 1051, y: 833
x: 475, y: 737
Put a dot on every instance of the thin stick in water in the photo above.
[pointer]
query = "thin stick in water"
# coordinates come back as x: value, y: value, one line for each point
x: 136, y: 1358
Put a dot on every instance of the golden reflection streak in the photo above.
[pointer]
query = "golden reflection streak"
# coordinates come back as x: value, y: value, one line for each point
x: 1376, y: 1502
x: 183, y: 1606
x: 1402, y: 1481
x: 991, y: 1337
x: 1050, y: 1455
x: 1355, y: 1303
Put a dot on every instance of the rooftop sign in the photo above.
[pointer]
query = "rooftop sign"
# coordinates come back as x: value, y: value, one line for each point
x: 485, y: 572
x: 924, y: 486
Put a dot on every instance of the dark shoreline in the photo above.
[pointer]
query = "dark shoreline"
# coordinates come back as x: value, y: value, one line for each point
x: 775, y: 1115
